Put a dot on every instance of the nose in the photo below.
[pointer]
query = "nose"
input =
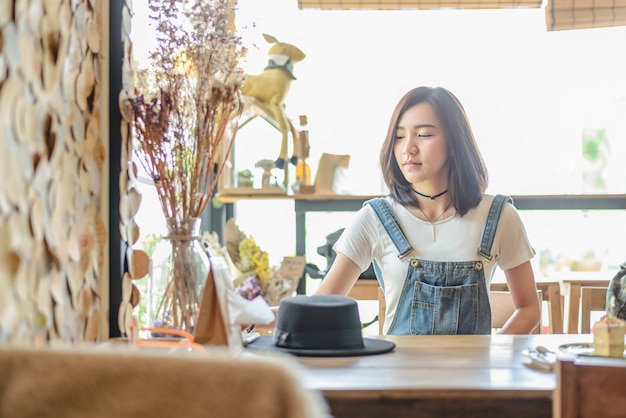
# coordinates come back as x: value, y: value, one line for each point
x: 410, y: 146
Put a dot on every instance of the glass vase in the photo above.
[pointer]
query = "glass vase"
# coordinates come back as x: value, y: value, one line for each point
x: 180, y: 267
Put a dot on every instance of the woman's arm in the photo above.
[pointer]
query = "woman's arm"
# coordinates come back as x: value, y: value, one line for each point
x: 527, y: 315
x: 341, y: 277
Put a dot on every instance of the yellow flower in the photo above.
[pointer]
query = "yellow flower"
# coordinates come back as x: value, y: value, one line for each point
x: 251, y: 257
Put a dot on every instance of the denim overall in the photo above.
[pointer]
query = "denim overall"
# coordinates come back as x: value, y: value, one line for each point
x: 441, y: 297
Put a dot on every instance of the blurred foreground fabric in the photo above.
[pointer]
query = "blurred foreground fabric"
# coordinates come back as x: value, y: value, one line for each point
x: 98, y: 383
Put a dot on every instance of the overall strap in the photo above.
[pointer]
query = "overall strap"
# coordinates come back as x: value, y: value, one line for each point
x: 489, y: 233
x: 391, y: 224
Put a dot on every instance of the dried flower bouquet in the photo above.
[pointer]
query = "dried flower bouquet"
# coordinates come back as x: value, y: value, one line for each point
x: 185, y: 112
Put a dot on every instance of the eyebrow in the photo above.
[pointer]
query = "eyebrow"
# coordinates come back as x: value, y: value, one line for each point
x: 425, y: 125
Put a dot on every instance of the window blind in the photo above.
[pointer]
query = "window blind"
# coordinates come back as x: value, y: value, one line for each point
x: 581, y: 14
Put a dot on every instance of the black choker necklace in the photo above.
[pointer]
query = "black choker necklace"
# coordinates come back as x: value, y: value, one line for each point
x: 433, y: 197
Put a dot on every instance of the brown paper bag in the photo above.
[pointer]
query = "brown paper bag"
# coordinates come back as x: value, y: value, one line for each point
x: 211, y: 326
x: 326, y: 168
x: 214, y: 326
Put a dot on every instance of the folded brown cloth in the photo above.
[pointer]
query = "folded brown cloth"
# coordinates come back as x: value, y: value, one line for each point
x: 72, y: 383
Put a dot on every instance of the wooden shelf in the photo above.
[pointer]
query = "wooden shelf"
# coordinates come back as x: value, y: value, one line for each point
x: 234, y: 194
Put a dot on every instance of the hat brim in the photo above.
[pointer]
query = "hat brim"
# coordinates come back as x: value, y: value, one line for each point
x: 371, y: 346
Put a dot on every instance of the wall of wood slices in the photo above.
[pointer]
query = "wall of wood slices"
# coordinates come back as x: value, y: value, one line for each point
x: 54, y: 171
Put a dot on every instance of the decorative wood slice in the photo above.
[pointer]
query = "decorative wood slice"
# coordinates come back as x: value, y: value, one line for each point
x: 69, y: 74
x: 140, y: 264
x: 78, y: 128
x: 4, y: 68
x: 123, y: 231
x: 52, y: 6
x: 57, y: 286
x: 65, y: 18
x: 11, y: 315
x: 44, y: 298
x: 123, y: 183
x: 126, y: 20
x: 6, y: 12
x: 97, y: 70
x: 99, y: 153
x: 73, y: 244
x: 85, y: 83
x: 125, y: 109
x: 53, y: 57
x: 23, y: 117
x: 92, y: 329
x: 126, y: 211
x: 12, y: 89
x: 94, y: 34
x: 67, y: 322
x: 132, y: 232
x: 42, y: 179
x: 135, y: 296
x: 10, y: 48
x: 74, y: 280
x: 134, y: 198
x: 130, y: 323
x: 128, y: 74
x: 35, y: 15
x: 38, y: 218
x: 101, y: 239
x: 85, y: 301
x: 89, y: 176
x: 60, y: 320
x: 30, y: 56
x: 121, y: 316
x: 127, y: 286
x: 80, y: 19
x: 86, y: 237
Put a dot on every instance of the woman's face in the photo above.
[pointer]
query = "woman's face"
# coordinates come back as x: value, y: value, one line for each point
x: 421, y: 148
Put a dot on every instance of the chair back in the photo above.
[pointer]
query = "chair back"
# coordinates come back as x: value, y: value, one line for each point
x: 591, y: 299
x: 502, y: 308
x: 382, y: 307
x: 590, y: 388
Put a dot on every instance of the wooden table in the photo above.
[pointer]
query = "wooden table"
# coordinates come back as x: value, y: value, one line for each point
x: 440, y: 376
x: 550, y: 292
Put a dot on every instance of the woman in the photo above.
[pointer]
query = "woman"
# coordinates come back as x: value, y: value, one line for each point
x: 436, y: 269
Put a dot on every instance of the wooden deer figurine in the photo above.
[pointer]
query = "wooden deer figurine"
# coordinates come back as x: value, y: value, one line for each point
x: 269, y: 89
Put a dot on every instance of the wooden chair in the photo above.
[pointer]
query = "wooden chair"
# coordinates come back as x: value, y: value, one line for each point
x: 551, y: 294
x: 382, y: 307
x: 501, y: 309
x: 592, y: 299
x: 589, y: 388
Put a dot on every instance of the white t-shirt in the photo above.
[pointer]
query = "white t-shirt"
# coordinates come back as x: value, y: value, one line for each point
x: 456, y: 239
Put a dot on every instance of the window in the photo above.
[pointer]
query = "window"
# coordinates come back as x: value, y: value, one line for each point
x: 532, y: 96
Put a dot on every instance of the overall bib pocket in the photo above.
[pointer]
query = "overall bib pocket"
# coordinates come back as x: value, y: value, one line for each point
x: 444, y: 309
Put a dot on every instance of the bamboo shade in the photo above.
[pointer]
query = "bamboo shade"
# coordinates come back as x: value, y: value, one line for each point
x: 417, y: 4
x: 582, y: 14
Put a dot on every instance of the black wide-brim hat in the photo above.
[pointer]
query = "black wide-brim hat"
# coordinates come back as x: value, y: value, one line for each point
x: 320, y: 326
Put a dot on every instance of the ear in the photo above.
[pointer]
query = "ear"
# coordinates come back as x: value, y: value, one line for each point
x: 270, y: 38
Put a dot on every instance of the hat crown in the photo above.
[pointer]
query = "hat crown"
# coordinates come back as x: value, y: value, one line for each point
x: 318, y: 322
